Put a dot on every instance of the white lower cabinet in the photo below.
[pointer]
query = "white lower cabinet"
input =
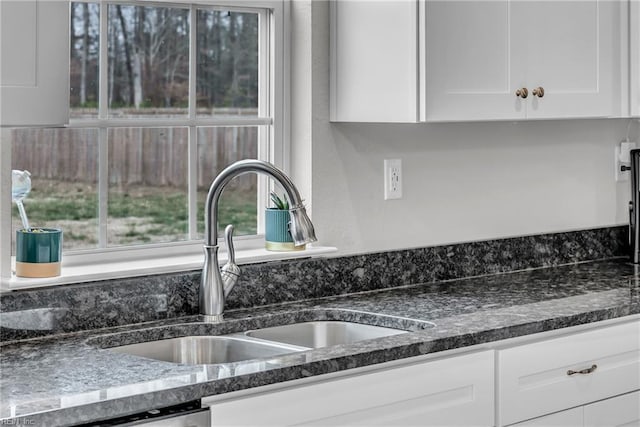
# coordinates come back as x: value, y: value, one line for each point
x: 457, y: 391
x: 619, y: 411
x: 570, y: 418
x: 555, y: 374
x: 588, y: 377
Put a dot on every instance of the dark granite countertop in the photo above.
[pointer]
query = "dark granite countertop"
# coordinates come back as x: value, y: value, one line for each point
x: 70, y: 378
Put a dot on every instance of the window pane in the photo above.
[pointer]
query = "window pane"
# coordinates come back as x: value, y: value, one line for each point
x: 218, y: 147
x: 63, y: 164
x: 148, y: 61
x: 85, y: 44
x: 147, y: 185
x: 227, y: 63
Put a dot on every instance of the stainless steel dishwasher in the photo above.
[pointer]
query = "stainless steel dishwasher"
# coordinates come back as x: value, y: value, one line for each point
x: 190, y: 414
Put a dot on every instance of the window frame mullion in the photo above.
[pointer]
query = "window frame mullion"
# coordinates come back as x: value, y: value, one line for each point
x: 265, y: 108
x: 192, y: 168
x: 103, y: 131
x: 6, y: 205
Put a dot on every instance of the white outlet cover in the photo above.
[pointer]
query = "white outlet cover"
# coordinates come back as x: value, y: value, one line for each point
x: 392, y: 179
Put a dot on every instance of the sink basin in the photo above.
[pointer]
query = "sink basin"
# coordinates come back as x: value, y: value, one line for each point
x: 258, y: 344
x: 322, y: 333
x: 205, y: 350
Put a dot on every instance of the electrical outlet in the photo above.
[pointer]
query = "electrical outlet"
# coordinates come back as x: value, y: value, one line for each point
x: 392, y: 179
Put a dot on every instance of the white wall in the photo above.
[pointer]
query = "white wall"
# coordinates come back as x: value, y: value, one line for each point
x: 462, y: 182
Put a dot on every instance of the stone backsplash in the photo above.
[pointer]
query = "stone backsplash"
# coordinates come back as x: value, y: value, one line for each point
x: 85, y: 306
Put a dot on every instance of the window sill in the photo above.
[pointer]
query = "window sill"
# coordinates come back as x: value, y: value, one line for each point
x: 143, y: 267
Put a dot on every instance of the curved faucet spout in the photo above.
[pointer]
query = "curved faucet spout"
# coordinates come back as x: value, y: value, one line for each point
x: 214, y: 286
x: 239, y: 168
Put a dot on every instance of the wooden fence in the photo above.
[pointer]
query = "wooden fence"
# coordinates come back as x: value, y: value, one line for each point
x: 137, y: 156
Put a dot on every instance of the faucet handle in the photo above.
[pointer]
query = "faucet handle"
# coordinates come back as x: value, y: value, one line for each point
x: 230, y: 271
x: 228, y: 238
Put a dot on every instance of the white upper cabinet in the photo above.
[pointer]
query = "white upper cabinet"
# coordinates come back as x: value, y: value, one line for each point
x: 480, y: 60
x: 470, y: 65
x: 573, y: 52
x: 516, y: 59
x: 374, y: 63
x: 34, y: 63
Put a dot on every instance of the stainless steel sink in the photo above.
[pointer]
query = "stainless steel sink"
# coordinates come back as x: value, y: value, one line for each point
x: 205, y: 350
x: 322, y: 333
x: 259, y: 344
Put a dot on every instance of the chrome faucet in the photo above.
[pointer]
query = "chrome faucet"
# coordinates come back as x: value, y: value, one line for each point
x: 634, y: 209
x: 216, y: 283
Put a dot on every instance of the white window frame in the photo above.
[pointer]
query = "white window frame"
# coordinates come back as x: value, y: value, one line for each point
x: 273, y: 114
x: 634, y: 58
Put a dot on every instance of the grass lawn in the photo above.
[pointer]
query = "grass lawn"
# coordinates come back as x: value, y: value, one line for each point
x: 137, y: 214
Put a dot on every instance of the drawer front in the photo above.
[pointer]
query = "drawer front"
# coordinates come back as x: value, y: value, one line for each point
x: 570, y: 418
x: 454, y: 391
x: 549, y: 376
x: 621, y: 411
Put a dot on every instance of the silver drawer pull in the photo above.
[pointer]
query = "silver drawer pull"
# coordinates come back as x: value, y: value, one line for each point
x: 583, y: 372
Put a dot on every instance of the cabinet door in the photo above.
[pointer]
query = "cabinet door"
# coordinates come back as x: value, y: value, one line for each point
x: 479, y: 53
x: 573, y: 52
x: 374, y: 61
x: 454, y: 391
x: 621, y: 411
x: 471, y: 68
x: 569, y: 418
x: 34, y: 45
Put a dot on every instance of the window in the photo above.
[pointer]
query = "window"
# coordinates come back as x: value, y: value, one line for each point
x: 163, y: 96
